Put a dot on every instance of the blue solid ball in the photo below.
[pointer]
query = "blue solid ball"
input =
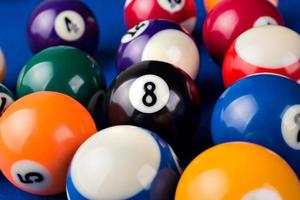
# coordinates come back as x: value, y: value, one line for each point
x: 123, y: 162
x: 262, y: 109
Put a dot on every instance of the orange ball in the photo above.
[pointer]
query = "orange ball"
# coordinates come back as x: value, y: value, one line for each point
x: 39, y: 135
x: 238, y: 171
x: 210, y: 4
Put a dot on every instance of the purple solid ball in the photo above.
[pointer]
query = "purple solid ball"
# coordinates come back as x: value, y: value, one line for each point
x: 131, y: 49
x: 46, y: 26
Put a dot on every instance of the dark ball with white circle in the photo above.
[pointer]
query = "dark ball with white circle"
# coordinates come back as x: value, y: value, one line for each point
x: 59, y: 22
x: 157, y: 96
x: 159, y: 40
x: 123, y: 162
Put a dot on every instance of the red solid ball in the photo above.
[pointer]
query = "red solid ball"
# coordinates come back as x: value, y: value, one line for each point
x: 182, y: 12
x: 230, y: 18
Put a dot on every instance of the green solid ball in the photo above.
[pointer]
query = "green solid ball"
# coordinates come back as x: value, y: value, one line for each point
x: 66, y: 70
x: 6, y: 98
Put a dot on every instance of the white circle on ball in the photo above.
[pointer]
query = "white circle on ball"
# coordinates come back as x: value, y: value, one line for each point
x: 69, y: 25
x: 290, y: 127
x: 30, y: 175
x: 149, y: 93
x: 5, y: 101
x: 172, y: 6
x: 265, y: 20
x: 116, y: 163
x: 271, y: 47
x: 135, y: 32
x: 262, y: 194
x: 175, y: 47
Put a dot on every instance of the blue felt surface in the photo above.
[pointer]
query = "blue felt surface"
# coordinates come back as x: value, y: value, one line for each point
x: 13, y: 19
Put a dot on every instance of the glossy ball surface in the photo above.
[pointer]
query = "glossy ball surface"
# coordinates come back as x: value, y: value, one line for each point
x: 182, y: 12
x: 123, y: 162
x: 39, y: 135
x: 66, y: 70
x: 6, y: 98
x: 267, y: 49
x: 60, y: 22
x: 242, y: 171
x: 2, y: 66
x: 238, y: 16
x: 156, y: 96
x: 159, y: 40
x: 262, y: 109
x: 210, y: 4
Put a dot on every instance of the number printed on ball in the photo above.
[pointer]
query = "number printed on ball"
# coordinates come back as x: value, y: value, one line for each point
x: 69, y: 25
x: 149, y: 93
x: 290, y: 127
x: 30, y: 175
x: 5, y: 101
x: 135, y: 31
x: 172, y: 5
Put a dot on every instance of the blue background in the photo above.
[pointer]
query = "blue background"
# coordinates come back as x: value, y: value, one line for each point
x: 13, y: 40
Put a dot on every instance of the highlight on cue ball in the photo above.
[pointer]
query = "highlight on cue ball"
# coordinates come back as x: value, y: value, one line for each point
x: 123, y: 162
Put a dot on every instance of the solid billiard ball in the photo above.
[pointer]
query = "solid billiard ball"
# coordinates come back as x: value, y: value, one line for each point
x: 159, y: 40
x: 2, y: 66
x: 156, y: 96
x: 123, y: 162
x: 60, y: 22
x: 233, y: 17
x: 6, y: 98
x: 238, y: 170
x: 273, y: 49
x: 39, y: 134
x: 182, y: 12
x: 210, y: 4
x: 262, y: 109
x: 66, y: 70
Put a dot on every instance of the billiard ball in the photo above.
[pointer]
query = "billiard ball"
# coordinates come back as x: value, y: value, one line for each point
x: 159, y: 40
x: 66, y: 70
x: 182, y: 12
x: 210, y: 4
x: 2, y: 66
x: 60, y: 22
x: 233, y: 17
x: 273, y: 49
x: 262, y: 109
x: 123, y: 162
x: 156, y: 96
x: 39, y: 134
x: 238, y: 170
x: 6, y: 98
